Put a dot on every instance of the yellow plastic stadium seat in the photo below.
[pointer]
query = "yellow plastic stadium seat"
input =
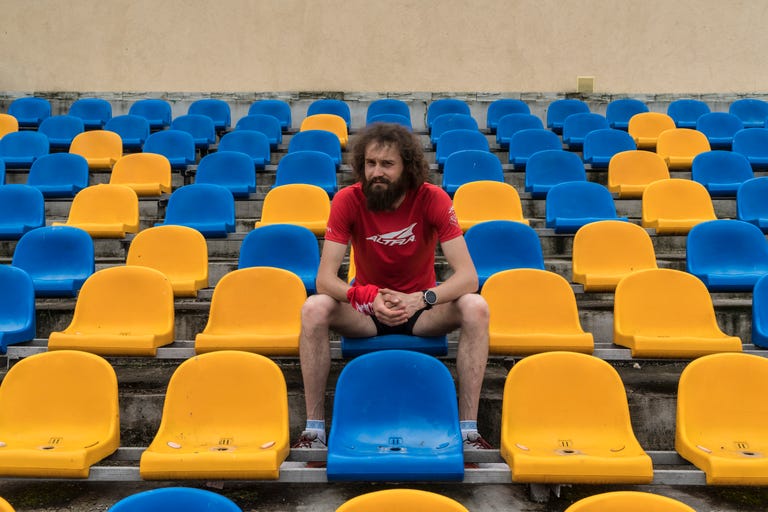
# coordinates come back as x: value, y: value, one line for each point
x: 179, y: 252
x: 721, y: 412
x: 645, y: 128
x: 328, y: 122
x: 679, y: 146
x: 8, y: 124
x: 480, y: 201
x: 628, y: 501
x: 225, y: 416
x: 297, y: 203
x: 352, y: 270
x: 5, y: 506
x: 256, y: 309
x: 667, y: 313
x: 401, y: 499
x: 630, y: 172
x: 148, y: 174
x: 101, y: 148
x: 58, y: 415
x: 607, y: 250
x: 124, y: 310
x: 565, y: 419
x: 104, y: 211
x: 675, y: 205
x: 533, y: 311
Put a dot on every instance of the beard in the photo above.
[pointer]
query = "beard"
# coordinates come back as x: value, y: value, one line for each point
x: 382, y: 194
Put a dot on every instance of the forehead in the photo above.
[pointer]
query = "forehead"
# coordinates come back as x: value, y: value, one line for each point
x: 378, y: 150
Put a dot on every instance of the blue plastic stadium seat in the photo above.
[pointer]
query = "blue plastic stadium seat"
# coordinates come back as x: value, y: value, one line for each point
x: 751, y: 205
x: 19, y: 149
x: 753, y: 144
x: 760, y: 313
x: 450, y: 122
x: 231, y: 169
x: 499, y: 245
x: 752, y: 112
x: 432, y: 345
x: 445, y: 106
x: 392, y: 119
x: 601, y: 145
x: 58, y: 259
x: 199, y: 126
x: 395, y: 418
x: 618, y: 112
x: 721, y: 172
x: 216, y: 109
x: 61, y: 130
x: 252, y: 143
x: 176, y: 145
x: 573, y: 204
x: 30, y: 111
x: 133, y: 130
x: 311, y: 167
x: 386, y: 107
x: 267, y: 124
x: 685, y: 112
x: 17, y: 307
x: 577, y: 126
x: 458, y: 140
x: 560, y: 109
x: 727, y: 255
x: 510, y: 124
x: 719, y: 127
x: 94, y: 112
x: 158, y: 112
x: 547, y: 168
x: 207, y: 208
x: 500, y: 108
x: 2, y: 172
x: 526, y: 142
x: 288, y: 246
x: 470, y: 165
x: 167, y: 499
x: 317, y: 140
x: 277, y: 108
x: 22, y: 209
x: 331, y: 106
x: 59, y: 174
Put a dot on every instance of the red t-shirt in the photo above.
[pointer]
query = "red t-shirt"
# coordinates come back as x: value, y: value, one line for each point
x: 395, y: 249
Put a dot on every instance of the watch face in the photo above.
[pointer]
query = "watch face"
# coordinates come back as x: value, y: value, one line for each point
x: 430, y: 297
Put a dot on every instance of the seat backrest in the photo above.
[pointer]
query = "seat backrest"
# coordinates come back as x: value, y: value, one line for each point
x: 296, y: 203
x: 719, y: 127
x: 251, y: 142
x: 686, y: 111
x: 277, y: 108
x: 106, y: 204
x: 470, y: 165
x: 8, y: 124
x: 230, y: 169
x: 331, y: 106
x: 173, y: 144
x: 59, y: 174
x: 752, y: 112
x: 267, y: 124
x: 549, y: 167
x: 577, y: 126
x: 156, y: 111
x: 681, y: 143
x: 725, y: 245
x: 676, y: 198
x: 401, y: 499
x: 60, y: 130
x: 97, y: 144
x: 30, y: 111
x: 188, y: 499
x: 482, y: 200
x: 646, y: 127
x: 216, y: 109
x: 22, y: 208
x: 601, y: 145
x: 579, y: 199
x: 501, y: 245
x: 133, y: 130
x: 328, y: 122
x: 750, y: 201
x: 199, y: 126
x: 27, y: 145
x: 509, y: 124
x: 451, y: 122
x: 310, y: 167
x: 628, y: 501
x: 630, y: 172
x: 750, y: 142
x: 94, y: 112
x: 528, y: 141
x: 288, y: 246
x: 618, y: 112
x: 500, y: 108
x: 17, y: 305
x: 442, y: 106
x: 719, y: 167
x: 145, y: 173
x: 316, y: 140
x: 386, y: 106
x: 558, y: 110
x: 200, y: 202
x: 457, y: 140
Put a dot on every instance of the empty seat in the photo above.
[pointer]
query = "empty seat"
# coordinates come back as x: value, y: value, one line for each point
x: 528, y: 141
x: 533, y: 310
x: 719, y: 127
x: 573, y: 204
x: 30, y: 111
x: 480, y: 201
x: 559, y: 110
x: 606, y: 251
x: 22, y: 209
x: 175, y: 145
x: 255, y: 309
x: 20, y: 149
x: 752, y: 143
x: 442, y: 106
x: 276, y: 108
x: 385, y: 107
x: 164, y: 499
x: 600, y: 146
x: 61, y: 130
x: 205, y: 207
x: 502, y: 107
x: 751, y: 205
x: 148, y: 174
x: 685, y: 112
x: 547, y: 168
x: 577, y: 126
x: 104, y: 211
x: 179, y: 252
x: 329, y: 123
x: 101, y: 148
x: 120, y: 311
x: 58, y: 259
x: 297, y: 203
x: 618, y: 112
x: 459, y: 140
x: 5, y: 506
x: 679, y: 146
x: 760, y: 313
x: 288, y: 246
x: 502, y: 245
x: 628, y: 501
x: 59, y: 174
x: 752, y: 112
x: 586, y: 438
x: 133, y: 130
x: 667, y: 313
x: 331, y: 106
x: 727, y: 255
x: 630, y: 172
x: 470, y: 165
x: 646, y: 127
x: 512, y: 123
x: 156, y: 111
x: 8, y: 124
x: 94, y: 112
x: 721, y: 172
x: 17, y: 307
x: 225, y: 416
x: 450, y: 122
x: 401, y: 499
x: 410, y: 431
x: 391, y: 118
x: 675, y: 205
x: 720, y: 420
x: 59, y: 416
x: 310, y: 167
x: 251, y: 142
x: 199, y: 126
x: 230, y: 169
x: 317, y: 140
x: 267, y: 124
x: 218, y: 110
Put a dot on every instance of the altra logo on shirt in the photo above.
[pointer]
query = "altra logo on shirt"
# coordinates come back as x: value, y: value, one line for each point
x: 401, y: 237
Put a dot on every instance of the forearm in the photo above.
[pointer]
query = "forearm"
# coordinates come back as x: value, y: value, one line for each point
x: 458, y: 284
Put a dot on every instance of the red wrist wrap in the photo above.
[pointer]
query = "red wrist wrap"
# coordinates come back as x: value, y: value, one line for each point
x: 361, y: 298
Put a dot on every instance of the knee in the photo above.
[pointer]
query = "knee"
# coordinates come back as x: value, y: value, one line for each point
x: 317, y: 310
x: 474, y: 310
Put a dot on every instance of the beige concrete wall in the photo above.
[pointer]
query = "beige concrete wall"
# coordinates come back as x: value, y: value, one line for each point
x: 651, y: 46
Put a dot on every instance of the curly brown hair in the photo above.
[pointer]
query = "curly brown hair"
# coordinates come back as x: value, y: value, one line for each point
x: 415, y: 166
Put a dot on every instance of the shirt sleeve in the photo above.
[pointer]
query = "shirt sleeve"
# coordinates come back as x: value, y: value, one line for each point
x: 339, y: 228
x: 444, y: 217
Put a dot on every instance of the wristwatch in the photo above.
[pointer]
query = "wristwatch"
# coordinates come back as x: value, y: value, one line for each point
x: 430, y: 299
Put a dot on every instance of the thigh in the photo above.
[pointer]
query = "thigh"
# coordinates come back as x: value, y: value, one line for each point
x: 441, y: 319
x: 346, y: 321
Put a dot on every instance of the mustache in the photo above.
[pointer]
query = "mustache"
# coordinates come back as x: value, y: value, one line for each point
x: 380, y: 179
